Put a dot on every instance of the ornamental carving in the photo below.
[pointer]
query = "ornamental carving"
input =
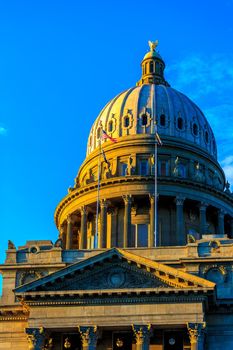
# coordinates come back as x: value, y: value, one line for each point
x: 88, y: 336
x: 112, y: 276
x: 27, y: 276
x: 141, y: 333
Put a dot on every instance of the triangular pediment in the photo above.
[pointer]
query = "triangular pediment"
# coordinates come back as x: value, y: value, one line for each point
x: 114, y: 270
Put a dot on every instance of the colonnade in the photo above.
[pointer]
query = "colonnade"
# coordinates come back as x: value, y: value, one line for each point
x: 39, y: 338
x: 66, y: 230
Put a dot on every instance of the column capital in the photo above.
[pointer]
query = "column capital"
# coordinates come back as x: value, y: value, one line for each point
x: 103, y: 203
x: 142, y: 333
x: 88, y: 336
x: 127, y: 198
x: 69, y: 219
x: 221, y: 212
x: 195, y: 330
x: 179, y: 200
x: 83, y: 210
x: 35, y: 338
x: 152, y: 197
x: 203, y: 205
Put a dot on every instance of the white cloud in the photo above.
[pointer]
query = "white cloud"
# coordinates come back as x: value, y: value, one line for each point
x: 199, y: 75
x: 3, y: 130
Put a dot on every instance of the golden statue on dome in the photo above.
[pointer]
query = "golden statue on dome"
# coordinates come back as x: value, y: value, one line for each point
x: 153, y: 45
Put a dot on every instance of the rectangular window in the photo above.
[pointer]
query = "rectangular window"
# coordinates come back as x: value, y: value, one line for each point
x: 139, y: 235
x: 123, y: 169
x: 163, y: 168
x: 144, y: 167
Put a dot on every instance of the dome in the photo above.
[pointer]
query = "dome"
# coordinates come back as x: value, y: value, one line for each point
x: 135, y: 111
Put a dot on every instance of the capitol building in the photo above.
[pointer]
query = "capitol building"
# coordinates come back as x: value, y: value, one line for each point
x: 144, y: 255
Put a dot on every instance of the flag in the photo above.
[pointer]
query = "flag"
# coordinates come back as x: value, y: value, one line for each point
x: 159, y: 141
x: 105, y: 159
x: 105, y: 136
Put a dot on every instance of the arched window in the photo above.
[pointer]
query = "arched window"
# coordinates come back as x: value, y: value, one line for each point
x: 110, y: 126
x: 161, y: 69
x: 157, y: 67
x: 180, y: 123
x: 195, y: 129
x: 162, y: 120
x: 206, y: 137
x: 144, y: 119
x: 151, y: 66
x: 126, y: 122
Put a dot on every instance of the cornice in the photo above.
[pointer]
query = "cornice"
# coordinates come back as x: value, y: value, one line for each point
x: 139, y: 179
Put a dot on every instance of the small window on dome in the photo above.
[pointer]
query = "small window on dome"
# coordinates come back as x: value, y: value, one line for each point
x: 146, y: 68
x: 110, y: 126
x: 144, y: 119
x: 151, y: 67
x: 161, y: 69
x: 206, y: 137
x: 162, y: 120
x: 126, y: 122
x: 157, y: 67
x: 90, y: 140
x: 180, y: 123
x: 98, y: 132
x: 195, y: 129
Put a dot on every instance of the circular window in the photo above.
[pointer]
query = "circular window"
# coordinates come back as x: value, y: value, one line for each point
x: 195, y: 129
x: 215, y: 276
x: 172, y: 341
x: 34, y: 250
x: 180, y: 123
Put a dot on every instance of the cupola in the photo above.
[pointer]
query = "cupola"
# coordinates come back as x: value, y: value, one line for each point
x: 152, y: 67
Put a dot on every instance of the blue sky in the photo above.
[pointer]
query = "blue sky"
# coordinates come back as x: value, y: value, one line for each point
x: 60, y: 63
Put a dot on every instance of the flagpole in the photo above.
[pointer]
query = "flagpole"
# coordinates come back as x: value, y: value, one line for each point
x: 96, y: 240
x: 156, y: 189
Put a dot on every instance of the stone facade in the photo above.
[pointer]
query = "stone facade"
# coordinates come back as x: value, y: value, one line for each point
x: 150, y: 265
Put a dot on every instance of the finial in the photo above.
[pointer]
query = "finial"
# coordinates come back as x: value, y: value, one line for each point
x: 153, y: 45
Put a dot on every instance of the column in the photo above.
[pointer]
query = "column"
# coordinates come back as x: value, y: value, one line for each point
x: 221, y: 215
x: 231, y: 236
x: 127, y: 219
x: 180, y: 231
x: 88, y: 337
x: 62, y: 235
x: 196, y: 335
x: 152, y: 221
x: 202, y: 217
x: 142, y: 336
x: 114, y: 228
x: 69, y: 233
x: 35, y: 338
x: 103, y: 223
x: 83, y: 236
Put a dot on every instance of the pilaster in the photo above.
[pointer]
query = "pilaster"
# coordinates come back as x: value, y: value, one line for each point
x: 88, y: 337
x: 142, y: 336
x: 35, y: 338
x: 196, y: 335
